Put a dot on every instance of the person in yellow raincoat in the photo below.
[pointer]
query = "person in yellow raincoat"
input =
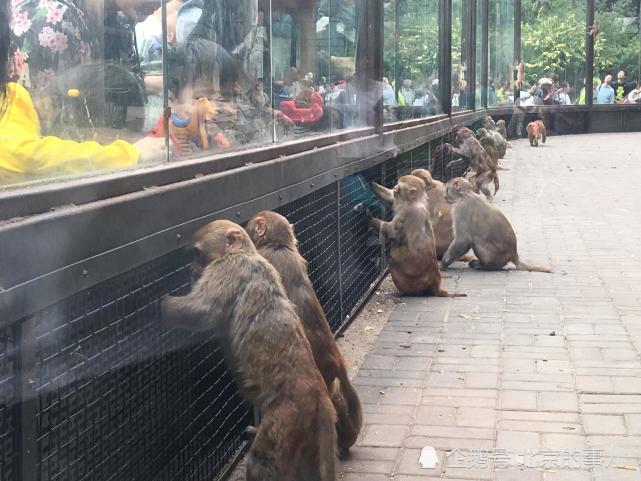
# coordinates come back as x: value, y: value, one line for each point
x: 25, y: 154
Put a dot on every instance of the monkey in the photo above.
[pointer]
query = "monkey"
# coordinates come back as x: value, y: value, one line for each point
x: 440, y: 211
x: 520, y: 76
x: 483, y: 168
x: 274, y: 238
x: 490, y: 127
x: 482, y: 227
x: 536, y: 131
x: 593, y: 30
x: 240, y: 296
x: 413, y: 262
x: 501, y: 129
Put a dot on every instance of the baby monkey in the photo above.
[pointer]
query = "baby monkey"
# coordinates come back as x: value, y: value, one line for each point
x: 413, y: 263
x: 480, y: 226
x: 274, y: 238
x: 240, y: 296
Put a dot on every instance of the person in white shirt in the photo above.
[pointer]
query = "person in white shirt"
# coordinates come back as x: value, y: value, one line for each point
x: 563, y: 95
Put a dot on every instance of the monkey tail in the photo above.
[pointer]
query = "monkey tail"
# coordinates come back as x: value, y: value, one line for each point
x: 328, y: 463
x: 442, y: 293
x: 501, y: 168
x: 524, y: 266
x: 349, y: 413
x: 496, y: 183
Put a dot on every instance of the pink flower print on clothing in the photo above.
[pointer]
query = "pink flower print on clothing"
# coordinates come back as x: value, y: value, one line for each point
x: 46, y: 36
x: 55, y: 41
x: 54, y: 15
x: 20, y: 23
x: 18, y: 63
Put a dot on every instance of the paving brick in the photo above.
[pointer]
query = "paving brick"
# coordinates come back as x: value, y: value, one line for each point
x: 598, y: 424
x: 634, y: 423
x: 401, y: 395
x: 518, y: 474
x: 408, y: 464
x: 384, y: 435
x: 559, y: 401
x: 435, y: 415
x: 517, y: 441
x: 477, y: 417
x: 521, y: 400
x: 563, y: 441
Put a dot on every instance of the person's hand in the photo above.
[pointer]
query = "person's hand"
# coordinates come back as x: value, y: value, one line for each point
x: 152, y: 149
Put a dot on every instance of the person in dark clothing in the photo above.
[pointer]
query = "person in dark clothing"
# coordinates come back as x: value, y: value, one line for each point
x: 621, y: 88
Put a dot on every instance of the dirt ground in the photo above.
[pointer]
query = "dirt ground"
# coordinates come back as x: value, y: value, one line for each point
x: 358, y: 339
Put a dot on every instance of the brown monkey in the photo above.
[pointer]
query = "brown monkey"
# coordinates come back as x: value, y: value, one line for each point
x: 482, y: 166
x: 240, y: 296
x: 274, y: 238
x: 536, y: 131
x: 492, y: 132
x: 594, y: 30
x: 480, y: 226
x: 520, y: 75
x: 501, y: 129
x: 413, y: 262
x: 440, y: 210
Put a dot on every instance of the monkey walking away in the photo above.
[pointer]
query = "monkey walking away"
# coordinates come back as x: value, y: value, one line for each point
x: 535, y: 132
x: 480, y: 226
x: 274, y: 238
x: 240, y: 296
x: 413, y: 262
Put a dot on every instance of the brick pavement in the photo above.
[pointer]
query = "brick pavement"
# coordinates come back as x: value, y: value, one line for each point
x: 532, y: 376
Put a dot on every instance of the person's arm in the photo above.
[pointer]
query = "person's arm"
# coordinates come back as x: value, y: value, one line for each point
x: 22, y: 150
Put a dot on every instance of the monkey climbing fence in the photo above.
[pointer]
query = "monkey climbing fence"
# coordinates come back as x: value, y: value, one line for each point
x: 93, y: 388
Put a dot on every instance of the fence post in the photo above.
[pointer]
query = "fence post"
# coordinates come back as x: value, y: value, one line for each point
x: 339, y: 251
x: 28, y: 401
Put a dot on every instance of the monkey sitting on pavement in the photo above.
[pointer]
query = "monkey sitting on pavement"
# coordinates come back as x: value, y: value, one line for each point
x: 535, y: 132
x: 413, y: 262
x: 274, y: 238
x: 501, y: 129
x: 482, y: 227
x: 240, y: 296
x: 440, y: 210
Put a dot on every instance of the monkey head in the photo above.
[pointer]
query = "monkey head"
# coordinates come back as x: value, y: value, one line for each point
x: 268, y: 227
x: 216, y: 240
x: 482, y: 132
x: 500, y: 123
x: 462, y: 134
x: 409, y: 189
x: 457, y: 188
x: 488, y: 123
x: 425, y: 176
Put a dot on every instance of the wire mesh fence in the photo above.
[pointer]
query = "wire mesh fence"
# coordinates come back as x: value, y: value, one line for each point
x: 93, y: 388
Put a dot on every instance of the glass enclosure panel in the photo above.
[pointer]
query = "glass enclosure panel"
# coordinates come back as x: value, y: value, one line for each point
x: 479, y: 54
x: 553, y: 49
x: 411, y: 59
x: 82, y: 92
x: 460, y: 87
x: 617, y: 52
x: 501, y: 52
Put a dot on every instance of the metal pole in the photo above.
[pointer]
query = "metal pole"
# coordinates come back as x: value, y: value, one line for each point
x: 445, y: 47
x: 484, y: 51
x: 517, y: 44
x: 589, y: 63
x: 471, y: 55
x: 28, y: 430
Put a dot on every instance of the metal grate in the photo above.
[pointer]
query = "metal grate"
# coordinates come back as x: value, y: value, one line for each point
x: 9, y: 406
x: 316, y: 226
x: 119, y: 397
x: 109, y: 395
